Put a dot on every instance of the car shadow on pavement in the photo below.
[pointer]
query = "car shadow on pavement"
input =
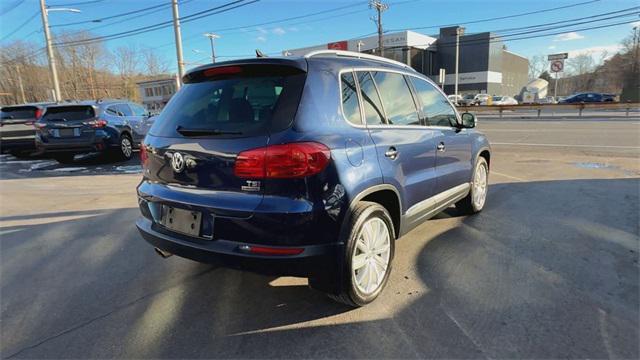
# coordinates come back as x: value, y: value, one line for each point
x: 549, y: 269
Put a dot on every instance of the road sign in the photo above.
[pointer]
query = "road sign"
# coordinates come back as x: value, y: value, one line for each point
x: 442, y: 76
x: 558, y: 56
x: 557, y: 66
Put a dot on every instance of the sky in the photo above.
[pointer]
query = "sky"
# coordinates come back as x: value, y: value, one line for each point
x: 263, y: 25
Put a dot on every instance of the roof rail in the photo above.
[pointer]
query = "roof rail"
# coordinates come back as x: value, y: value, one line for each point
x: 358, y: 55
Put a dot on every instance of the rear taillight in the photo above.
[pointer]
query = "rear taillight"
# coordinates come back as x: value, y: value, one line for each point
x: 294, y: 160
x: 97, y: 124
x: 144, y: 156
x: 38, y: 114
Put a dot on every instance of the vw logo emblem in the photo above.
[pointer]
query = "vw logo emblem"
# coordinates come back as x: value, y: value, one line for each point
x: 177, y: 162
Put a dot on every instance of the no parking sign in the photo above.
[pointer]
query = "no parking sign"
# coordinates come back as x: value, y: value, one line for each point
x: 557, y: 66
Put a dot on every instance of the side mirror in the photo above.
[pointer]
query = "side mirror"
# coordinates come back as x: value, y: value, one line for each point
x: 468, y: 120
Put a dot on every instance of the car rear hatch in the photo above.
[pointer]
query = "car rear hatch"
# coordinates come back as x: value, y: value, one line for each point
x: 17, y: 121
x: 69, y: 125
x: 221, y: 111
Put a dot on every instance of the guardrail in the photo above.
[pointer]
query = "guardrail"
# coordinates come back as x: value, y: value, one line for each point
x: 628, y: 107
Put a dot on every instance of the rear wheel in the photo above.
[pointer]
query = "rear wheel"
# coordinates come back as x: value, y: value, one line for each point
x: 64, y: 158
x: 125, y: 148
x: 474, y: 202
x: 368, y: 254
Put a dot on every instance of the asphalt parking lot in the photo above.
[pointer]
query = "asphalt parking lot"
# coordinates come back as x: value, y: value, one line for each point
x: 548, y: 270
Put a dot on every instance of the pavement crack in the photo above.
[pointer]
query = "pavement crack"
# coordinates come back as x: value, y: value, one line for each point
x: 116, y: 309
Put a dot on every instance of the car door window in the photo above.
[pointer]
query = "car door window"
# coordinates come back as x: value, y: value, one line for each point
x: 350, y: 104
x: 112, y: 110
x: 435, y: 107
x: 373, y: 111
x: 124, y: 109
x: 137, y: 110
x: 396, y: 98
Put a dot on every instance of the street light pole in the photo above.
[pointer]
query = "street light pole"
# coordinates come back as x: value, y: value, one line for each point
x: 52, y: 59
x: 360, y: 43
x: 212, y: 38
x: 459, y: 31
x: 178, y: 37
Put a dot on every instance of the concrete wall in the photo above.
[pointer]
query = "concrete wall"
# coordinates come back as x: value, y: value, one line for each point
x: 514, y: 73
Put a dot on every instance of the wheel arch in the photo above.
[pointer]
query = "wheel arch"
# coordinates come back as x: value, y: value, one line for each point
x: 387, y: 196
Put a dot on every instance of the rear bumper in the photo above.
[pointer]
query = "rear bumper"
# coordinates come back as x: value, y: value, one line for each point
x: 95, y: 144
x: 26, y: 142
x: 313, y: 261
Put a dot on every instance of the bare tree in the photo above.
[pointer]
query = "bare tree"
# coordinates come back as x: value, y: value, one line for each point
x: 537, y: 65
x: 152, y: 63
x: 126, y: 63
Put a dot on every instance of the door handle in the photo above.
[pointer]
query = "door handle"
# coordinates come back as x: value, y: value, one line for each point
x: 440, y: 147
x: 392, y: 153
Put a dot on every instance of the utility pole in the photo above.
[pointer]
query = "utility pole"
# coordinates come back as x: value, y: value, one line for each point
x: 380, y: 8
x: 52, y: 60
x: 636, y: 45
x: 212, y: 38
x: 459, y: 32
x: 24, y: 100
x: 176, y: 30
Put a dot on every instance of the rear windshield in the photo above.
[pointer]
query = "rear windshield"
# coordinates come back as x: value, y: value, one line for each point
x: 18, y: 112
x: 68, y: 113
x: 241, y: 105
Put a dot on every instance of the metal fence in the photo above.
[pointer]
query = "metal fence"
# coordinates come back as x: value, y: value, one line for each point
x: 627, y: 107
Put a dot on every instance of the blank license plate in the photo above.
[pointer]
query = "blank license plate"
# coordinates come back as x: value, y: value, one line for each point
x: 183, y: 221
x: 68, y: 132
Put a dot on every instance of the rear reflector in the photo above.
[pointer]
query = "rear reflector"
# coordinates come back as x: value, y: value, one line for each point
x: 263, y: 250
x: 143, y: 155
x: 286, y: 161
x: 226, y: 70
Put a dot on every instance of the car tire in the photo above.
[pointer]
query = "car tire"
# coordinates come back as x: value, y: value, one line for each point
x: 64, y: 158
x: 476, y: 199
x: 369, y: 245
x: 125, y: 147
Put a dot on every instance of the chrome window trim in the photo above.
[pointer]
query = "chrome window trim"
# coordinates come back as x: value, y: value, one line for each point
x: 403, y: 72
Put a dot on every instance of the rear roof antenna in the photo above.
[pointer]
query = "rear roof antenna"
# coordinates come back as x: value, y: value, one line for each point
x: 260, y: 54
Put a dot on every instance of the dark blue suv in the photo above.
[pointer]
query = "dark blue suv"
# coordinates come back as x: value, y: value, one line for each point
x: 113, y: 126
x: 307, y: 166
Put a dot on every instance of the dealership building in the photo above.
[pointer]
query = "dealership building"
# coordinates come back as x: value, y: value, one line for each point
x: 485, y: 65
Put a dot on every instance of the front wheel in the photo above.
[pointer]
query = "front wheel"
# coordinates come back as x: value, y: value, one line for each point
x: 368, y: 254
x: 474, y: 202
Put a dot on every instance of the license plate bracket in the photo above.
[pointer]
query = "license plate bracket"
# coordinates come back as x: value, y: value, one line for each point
x: 183, y: 221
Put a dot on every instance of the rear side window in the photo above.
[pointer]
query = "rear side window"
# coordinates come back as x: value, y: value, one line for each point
x: 373, y: 111
x: 248, y: 104
x: 350, y: 106
x: 69, y: 113
x: 435, y: 107
x: 124, y: 109
x: 138, y: 110
x: 18, y: 112
x: 397, y: 99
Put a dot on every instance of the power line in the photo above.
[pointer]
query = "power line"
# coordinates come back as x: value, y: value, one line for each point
x: 501, y: 17
x: 519, y: 36
x: 80, y: 3
x: 20, y: 27
x: 166, y: 5
x: 11, y: 7
x: 165, y: 24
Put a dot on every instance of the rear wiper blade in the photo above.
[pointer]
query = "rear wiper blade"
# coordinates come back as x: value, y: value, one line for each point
x: 204, y: 132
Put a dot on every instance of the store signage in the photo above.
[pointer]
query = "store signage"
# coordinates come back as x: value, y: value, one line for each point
x: 338, y: 45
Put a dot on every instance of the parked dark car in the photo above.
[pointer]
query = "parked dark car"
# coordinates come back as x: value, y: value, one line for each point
x: 17, y: 133
x: 114, y: 126
x: 588, y: 98
x: 307, y: 166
